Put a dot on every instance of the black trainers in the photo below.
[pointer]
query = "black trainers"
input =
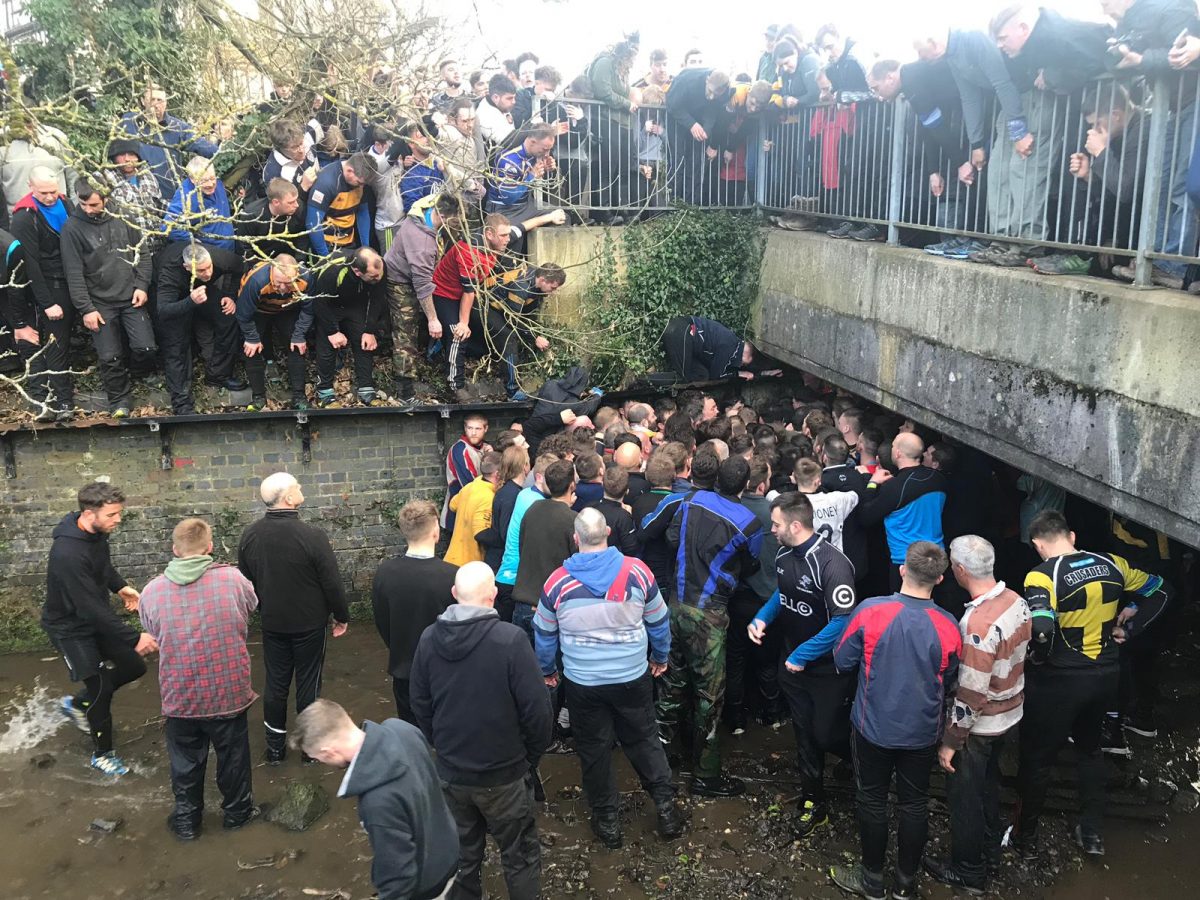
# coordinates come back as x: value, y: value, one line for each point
x: 853, y: 880
x: 1112, y: 738
x: 1141, y: 725
x: 1089, y: 841
x: 842, y: 230
x: 607, y: 829
x: 812, y: 817
x: 275, y: 755
x: 943, y: 870
x: 671, y: 823
x: 904, y: 888
x: 718, y: 786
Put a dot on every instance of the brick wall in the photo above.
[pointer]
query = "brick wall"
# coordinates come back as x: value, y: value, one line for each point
x: 362, y: 469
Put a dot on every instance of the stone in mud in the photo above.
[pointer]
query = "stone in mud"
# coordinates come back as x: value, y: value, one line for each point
x: 108, y: 826
x: 42, y: 760
x: 1186, y: 801
x: 301, y: 805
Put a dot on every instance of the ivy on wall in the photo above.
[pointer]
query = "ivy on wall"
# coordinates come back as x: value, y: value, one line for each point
x: 693, y: 262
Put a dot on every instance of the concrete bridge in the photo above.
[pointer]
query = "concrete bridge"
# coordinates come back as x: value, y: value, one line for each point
x: 1088, y: 383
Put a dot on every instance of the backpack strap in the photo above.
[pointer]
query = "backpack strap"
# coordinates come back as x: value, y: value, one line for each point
x: 617, y: 590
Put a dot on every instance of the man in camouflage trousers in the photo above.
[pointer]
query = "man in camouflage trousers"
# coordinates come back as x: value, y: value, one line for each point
x: 409, y: 262
x: 718, y: 541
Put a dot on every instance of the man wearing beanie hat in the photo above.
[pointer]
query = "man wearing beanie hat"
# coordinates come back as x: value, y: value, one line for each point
x: 134, y: 194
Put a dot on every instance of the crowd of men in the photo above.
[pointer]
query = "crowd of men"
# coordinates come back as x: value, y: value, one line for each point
x: 647, y: 576
x: 350, y: 235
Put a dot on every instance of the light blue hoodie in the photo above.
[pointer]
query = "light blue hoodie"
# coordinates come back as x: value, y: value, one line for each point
x: 604, y: 640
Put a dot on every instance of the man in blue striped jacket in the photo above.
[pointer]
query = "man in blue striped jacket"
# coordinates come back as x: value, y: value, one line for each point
x: 605, y: 611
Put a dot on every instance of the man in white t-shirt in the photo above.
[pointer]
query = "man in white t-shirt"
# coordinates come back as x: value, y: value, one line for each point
x: 830, y: 508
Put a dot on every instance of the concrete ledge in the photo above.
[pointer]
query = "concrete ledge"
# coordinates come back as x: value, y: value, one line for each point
x: 1086, y: 382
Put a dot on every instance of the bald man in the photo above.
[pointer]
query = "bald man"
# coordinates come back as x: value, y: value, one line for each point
x: 295, y: 575
x: 478, y: 695
x: 628, y: 456
x: 37, y: 222
x: 909, y: 505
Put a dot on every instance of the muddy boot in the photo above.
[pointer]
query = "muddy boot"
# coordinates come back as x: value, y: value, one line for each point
x: 182, y: 829
x: 606, y: 826
x: 671, y: 823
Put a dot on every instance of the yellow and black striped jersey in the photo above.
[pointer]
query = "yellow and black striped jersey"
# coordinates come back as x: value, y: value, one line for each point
x: 1081, y: 593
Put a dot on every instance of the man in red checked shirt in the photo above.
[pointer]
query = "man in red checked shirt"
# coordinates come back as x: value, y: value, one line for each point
x: 198, y: 612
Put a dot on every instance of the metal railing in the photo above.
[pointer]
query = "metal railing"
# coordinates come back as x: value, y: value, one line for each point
x: 613, y: 161
x: 1105, y: 173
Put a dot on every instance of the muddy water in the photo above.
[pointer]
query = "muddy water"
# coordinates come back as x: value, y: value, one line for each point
x: 737, y: 848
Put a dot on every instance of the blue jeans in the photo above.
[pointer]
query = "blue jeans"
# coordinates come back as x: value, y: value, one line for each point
x: 1177, y: 228
x: 522, y: 617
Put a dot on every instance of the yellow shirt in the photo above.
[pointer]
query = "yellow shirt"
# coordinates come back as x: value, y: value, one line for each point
x: 472, y: 507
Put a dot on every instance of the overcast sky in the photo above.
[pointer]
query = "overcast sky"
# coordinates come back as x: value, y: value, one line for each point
x: 568, y: 33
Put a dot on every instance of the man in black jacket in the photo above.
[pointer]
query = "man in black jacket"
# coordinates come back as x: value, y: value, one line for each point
x: 100, y: 649
x: 107, y: 276
x: 295, y: 574
x: 409, y: 593
x: 37, y: 220
x: 350, y: 306
x: 559, y: 402
x: 273, y: 225
x: 695, y: 103
x: 198, y: 282
x: 400, y: 803
x: 699, y: 349
x: 1149, y: 32
x: 479, y: 697
x: 622, y: 531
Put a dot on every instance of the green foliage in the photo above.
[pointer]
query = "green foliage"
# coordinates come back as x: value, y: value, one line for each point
x: 693, y: 262
x: 20, y: 622
x: 111, y: 48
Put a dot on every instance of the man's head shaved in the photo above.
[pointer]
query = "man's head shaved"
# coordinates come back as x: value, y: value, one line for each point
x: 628, y: 456
x: 42, y: 176
x: 274, y: 487
x: 908, y: 445
x: 475, y: 585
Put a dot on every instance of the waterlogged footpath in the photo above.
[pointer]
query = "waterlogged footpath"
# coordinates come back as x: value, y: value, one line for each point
x: 735, y: 848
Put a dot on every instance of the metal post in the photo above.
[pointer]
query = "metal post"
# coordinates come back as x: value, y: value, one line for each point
x: 896, y: 173
x: 1156, y: 151
x: 760, y: 172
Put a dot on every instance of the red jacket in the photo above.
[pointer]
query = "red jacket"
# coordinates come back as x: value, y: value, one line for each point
x: 462, y: 269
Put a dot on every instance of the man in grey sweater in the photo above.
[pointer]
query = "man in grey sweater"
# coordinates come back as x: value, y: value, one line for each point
x: 108, y: 274
x: 409, y: 263
x: 1018, y: 165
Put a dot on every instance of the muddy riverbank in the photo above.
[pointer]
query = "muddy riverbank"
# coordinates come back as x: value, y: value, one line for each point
x: 735, y: 848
